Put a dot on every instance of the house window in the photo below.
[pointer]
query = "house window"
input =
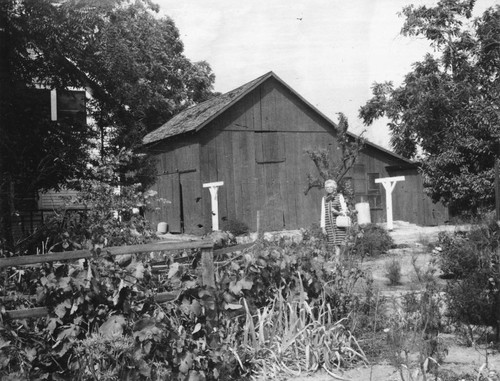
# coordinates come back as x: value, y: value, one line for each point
x: 269, y: 147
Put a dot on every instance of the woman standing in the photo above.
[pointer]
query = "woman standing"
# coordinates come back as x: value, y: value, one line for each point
x: 333, y: 205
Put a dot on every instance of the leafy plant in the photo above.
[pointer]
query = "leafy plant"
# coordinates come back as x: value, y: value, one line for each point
x: 393, y: 272
x: 372, y: 240
x: 104, y: 322
x: 472, y: 260
x: 415, y: 327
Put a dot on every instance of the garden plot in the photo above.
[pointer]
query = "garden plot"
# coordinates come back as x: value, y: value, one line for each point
x: 414, y: 255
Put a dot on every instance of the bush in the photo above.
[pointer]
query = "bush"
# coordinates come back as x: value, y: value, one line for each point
x: 372, y: 240
x: 393, y: 272
x: 291, y: 268
x: 415, y: 328
x: 472, y: 259
x: 457, y: 254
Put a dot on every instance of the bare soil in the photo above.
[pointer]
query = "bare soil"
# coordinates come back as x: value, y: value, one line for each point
x: 414, y: 252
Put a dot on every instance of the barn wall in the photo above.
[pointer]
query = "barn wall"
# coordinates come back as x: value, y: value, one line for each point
x: 257, y: 147
x: 178, y: 185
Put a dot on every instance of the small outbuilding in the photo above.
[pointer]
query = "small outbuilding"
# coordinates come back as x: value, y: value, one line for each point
x: 254, y: 139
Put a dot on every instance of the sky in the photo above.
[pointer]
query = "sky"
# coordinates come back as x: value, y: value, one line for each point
x: 329, y: 51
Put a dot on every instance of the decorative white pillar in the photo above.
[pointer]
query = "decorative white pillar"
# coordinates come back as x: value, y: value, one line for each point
x: 389, y: 183
x: 213, y: 188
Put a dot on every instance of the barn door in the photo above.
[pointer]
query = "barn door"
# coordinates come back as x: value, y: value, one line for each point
x: 181, y: 204
x: 190, y: 200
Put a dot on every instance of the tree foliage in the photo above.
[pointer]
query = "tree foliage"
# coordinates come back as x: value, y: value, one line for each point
x: 122, y: 52
x: 446, y: 112
x: 128, y: 58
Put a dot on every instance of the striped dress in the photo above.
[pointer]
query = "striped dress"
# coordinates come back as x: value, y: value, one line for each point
x: 336, y: 236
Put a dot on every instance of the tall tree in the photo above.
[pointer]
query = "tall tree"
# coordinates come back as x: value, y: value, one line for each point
x: 446, y: 113
x: 129, y: 59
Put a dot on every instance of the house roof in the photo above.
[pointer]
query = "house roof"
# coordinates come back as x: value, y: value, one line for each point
x: 196, y: 117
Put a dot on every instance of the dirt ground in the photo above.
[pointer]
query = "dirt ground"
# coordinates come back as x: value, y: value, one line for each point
x: 461, y: 359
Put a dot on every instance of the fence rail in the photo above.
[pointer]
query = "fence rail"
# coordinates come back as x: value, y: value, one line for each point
x: 207, y: 266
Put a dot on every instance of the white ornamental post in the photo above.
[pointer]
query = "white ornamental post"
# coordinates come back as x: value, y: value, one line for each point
x: 389, y: 183
x: 213, y: 187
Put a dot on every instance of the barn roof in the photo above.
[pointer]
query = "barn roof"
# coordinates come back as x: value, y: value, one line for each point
x: 196, y: 117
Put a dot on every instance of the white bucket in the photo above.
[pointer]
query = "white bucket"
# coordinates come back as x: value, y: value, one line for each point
x: 363, y: 209
x: 162, y: 227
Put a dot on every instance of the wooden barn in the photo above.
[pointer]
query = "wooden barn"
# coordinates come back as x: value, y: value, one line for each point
x: 254, y: 140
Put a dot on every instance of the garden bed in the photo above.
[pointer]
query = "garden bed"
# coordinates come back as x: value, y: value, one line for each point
x: 463, y: 361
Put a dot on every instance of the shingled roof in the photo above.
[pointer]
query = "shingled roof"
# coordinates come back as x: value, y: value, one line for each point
x: 196, y: 117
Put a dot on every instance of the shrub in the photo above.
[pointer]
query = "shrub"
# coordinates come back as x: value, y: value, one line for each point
x: 393, y: 272
x: 472, y: 258
x: 290, y: 268
x: 456, y: 254
x: 111, y: 216
x: 372, y: 240
x: 415, y: 328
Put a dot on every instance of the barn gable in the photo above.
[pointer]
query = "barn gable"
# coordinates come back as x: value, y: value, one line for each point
x: 254, y: 139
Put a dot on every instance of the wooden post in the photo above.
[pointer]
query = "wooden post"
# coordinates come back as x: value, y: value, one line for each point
x: 213, y: 187
x: 207, y: 268
x: 258, y: 223
x: 389, y: 183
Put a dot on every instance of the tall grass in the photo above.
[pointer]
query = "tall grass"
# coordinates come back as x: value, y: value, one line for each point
x: 291, y: 337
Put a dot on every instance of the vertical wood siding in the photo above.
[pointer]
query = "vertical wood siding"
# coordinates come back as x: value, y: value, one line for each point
x: 241, y: 139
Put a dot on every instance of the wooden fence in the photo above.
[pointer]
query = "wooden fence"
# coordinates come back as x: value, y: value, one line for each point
x: 206, y: 266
